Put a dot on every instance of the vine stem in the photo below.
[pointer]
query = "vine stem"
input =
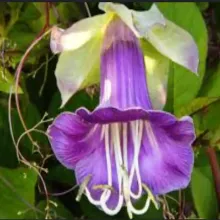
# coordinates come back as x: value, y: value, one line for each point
x: 213, y: 161
x: 42, y: 33
x: 87, y: 9
x: 45, y: 30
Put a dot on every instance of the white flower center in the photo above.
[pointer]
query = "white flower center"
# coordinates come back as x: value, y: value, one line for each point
x: 115, y: 136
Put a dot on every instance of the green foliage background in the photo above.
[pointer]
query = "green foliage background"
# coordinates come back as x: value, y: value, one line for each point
x: 22, y: 193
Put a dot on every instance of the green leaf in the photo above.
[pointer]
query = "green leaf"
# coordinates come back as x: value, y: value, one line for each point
x: 203, y: 5
x: 68, y: 11
x: 170, y: 90
x: 7, y: 82
x: 23, y: 40
x: 203, y: 191
x: 80, y: 99
x: 195, y: 105
x: 57, y: 211
x: 60, y: 171
x: 92, y: 211
x: 214, y: 138
x: 208, y: 118
x: 7, y: 149
x: 3, y: 11
x: 17, y: 189
x: 29, y: 12
x: 14, y: 14
x: 186, y: 84
x: 152, y: 212
x: 211, y: 83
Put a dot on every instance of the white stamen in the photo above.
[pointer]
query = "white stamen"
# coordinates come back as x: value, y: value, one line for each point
x: 137, y: 131
x: 113, y: 145
x: 126, y: 190
x: 125, y: 145
x: 115, y: 137
x: 116, y: 209
x: 139, y: 211
x: 106, y: 193
x: 104, y: 134
x: 103, y: 186
x: 93, y: 201
x: 117, y: 150
x: 151, y: 196
x: 82, y: 187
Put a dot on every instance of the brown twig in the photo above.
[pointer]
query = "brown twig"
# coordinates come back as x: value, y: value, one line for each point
x: 210, y: 151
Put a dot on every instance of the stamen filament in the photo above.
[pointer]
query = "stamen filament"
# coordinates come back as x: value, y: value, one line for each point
x: 137, y: 131
x: 106, y: 193
x: 151, y: 196
x: 116, y: 143
x: 103, y: 186
x: 83, y: 187
x: 139, y: 211
x: 115, y: 137
x: 126, y: 190
x: 125, y: 145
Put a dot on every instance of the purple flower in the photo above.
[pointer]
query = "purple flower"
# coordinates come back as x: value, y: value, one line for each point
x: 124, y: 148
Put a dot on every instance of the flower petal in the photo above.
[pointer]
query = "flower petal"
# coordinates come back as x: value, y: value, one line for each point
x: 122, y: 11
x: 138, y: 22
x: 166, y: 157
x: 95, y: 165
x: 110, y: 115
x: 175, y: 43
x: 122, y: 63
x: 168, y: 38
x: 78, y: 68
x: 72, y: 139
x: 78, y: 34
x: 157, y: 67
x: 145, y: 20
x: 103, y: 188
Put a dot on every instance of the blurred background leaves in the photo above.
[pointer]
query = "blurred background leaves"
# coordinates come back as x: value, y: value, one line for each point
x: 21, y: 189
